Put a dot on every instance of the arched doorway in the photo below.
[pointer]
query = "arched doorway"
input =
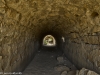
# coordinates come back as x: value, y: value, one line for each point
x: 49, y: 40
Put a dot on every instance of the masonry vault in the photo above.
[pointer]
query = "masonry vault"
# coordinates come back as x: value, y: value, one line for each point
x: 24, y: 23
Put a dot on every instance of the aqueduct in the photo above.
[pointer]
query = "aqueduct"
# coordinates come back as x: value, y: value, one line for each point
x: 24, y: 23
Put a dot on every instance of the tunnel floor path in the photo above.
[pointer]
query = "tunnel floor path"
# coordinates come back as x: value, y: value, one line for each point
x: 45, y: 63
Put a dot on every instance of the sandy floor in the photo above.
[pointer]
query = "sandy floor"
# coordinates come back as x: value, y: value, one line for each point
x: 44, y: 63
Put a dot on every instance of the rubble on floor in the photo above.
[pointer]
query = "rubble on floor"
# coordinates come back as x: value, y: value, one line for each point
x: 84, y: 71
x: 64, y: 68
x: 53, y: 63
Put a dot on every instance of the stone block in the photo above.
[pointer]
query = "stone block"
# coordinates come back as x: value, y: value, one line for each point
x: 74, y: 35
x: 91, y: 39
x: 84, y: 71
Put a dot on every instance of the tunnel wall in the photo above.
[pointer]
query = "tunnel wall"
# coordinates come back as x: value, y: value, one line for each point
x: 16, y: 50
x: 84, y: 51
x: 17, y: 41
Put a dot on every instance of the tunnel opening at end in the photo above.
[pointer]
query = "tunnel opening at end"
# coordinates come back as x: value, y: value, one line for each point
x: 49, y: 41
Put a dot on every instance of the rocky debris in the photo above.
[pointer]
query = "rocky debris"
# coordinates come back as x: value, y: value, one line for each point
x: 64, y: 73
x: 62, y: 60
x: 84, y: 71
x: 67, y: 68
x: 91, y: 73
x: 68, y: 73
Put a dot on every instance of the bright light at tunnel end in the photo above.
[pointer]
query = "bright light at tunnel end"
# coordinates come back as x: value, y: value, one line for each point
x: 49, y: 41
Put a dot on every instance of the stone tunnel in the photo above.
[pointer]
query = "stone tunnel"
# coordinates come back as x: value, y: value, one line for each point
x: 24, y: 23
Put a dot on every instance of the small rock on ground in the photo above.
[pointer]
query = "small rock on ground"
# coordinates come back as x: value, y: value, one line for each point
x: 64, y: 73
x: 60, y: 59
x: 84, y: 71
x: 91, y: 73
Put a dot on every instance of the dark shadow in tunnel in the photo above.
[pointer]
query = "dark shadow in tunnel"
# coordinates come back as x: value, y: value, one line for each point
x: 38, y: 43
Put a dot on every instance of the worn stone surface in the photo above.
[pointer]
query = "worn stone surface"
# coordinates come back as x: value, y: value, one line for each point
x: 92, y: 73
x: 72, y: 73
x: 64, y: 73
x: 84, y: 71
x: 23, y: 22
x: 61, y: 68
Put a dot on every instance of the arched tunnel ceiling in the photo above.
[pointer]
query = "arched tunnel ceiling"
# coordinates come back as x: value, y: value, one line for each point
x: 60, y: 16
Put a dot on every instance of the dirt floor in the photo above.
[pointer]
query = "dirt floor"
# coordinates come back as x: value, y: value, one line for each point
x: 49, y: 62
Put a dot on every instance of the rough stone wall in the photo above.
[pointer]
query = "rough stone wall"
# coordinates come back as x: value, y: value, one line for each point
x: 24, y: 21
x: 83, y: 55
x: 16, y: 47
x: 83, y: 42
x: 16, y: 40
